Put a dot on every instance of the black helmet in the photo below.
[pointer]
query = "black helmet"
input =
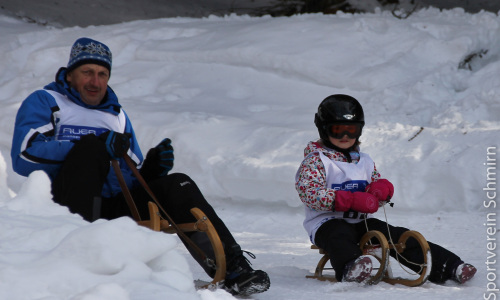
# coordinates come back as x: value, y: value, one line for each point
x: 338, y: 109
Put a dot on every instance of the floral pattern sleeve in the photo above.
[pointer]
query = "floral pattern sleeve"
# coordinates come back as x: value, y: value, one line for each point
x: 311, y: 184
x: 375, y: 174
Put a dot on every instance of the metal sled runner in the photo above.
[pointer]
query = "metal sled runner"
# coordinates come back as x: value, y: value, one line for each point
x: 381, y: 252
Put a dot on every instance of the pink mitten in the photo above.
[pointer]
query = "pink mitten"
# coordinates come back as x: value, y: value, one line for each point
x: 382, y: 189
x: 343, y: 200
x: 364, y: 202
x: 358, y: 201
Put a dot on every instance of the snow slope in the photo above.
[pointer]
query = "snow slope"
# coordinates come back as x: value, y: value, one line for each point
x: 237, y: 96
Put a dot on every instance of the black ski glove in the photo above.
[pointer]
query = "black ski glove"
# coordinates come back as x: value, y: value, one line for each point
x: 165, y: 153
x: 159, y: 160
x: 117, y: 144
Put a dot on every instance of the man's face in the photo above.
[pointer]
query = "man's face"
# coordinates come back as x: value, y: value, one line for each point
x: 91, y: 81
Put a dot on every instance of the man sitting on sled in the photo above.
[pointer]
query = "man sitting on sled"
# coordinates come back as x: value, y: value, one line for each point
x: 74, y: 126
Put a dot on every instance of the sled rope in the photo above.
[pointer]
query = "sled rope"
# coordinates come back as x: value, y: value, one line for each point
x: 398, y: 255
x: 125, y: 191
x: 130, y: 201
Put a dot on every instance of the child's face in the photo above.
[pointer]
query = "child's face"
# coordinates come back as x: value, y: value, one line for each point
x: 343, y: 143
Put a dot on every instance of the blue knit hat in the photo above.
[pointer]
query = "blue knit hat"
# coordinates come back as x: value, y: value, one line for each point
x: 89, y: 51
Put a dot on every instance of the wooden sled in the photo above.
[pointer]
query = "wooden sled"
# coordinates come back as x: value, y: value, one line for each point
x: 202, y: 224
x: 381, y: 252
x: 156, y: 222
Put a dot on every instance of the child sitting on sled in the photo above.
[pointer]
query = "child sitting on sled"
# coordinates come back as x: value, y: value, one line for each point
x: 341, y: 189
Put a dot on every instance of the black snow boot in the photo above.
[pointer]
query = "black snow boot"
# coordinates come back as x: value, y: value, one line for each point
x: 241, y: 278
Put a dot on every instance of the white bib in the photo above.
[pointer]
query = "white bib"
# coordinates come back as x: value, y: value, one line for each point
x: 341, y: 176
x: 73, y: 121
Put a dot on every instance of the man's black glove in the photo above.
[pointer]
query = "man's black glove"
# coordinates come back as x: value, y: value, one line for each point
x: 117, y: 144
x: 165, y: 153
x: 159, y: 160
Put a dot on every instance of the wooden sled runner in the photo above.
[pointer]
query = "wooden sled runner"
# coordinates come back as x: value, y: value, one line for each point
x: 202, y: 224
x: 381, y: 252
x: 157, y: 223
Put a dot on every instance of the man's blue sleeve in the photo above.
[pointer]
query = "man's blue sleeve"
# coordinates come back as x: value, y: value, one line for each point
x: 33, y: 145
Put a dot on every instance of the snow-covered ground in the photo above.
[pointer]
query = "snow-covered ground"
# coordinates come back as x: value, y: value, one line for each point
x: 237, y: 96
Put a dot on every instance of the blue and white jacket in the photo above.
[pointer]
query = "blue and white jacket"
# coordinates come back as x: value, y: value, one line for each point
x: 50, y: 119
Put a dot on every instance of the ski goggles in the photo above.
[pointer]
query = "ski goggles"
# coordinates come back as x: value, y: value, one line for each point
x: 338, y: 131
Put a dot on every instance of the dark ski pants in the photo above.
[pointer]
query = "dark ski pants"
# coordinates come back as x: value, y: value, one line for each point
x: 79, y: 184
x: 341, y: 241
